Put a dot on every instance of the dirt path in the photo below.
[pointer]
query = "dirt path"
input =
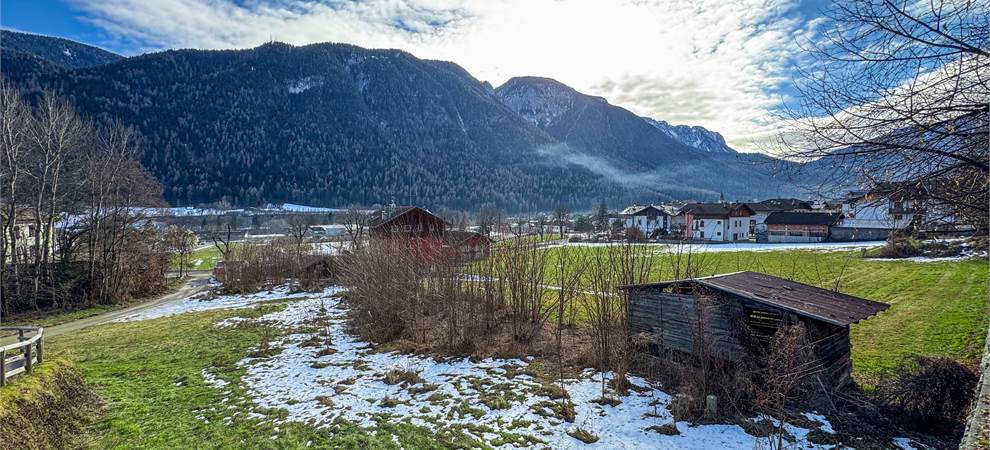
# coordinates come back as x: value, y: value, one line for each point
x: 195, y: 282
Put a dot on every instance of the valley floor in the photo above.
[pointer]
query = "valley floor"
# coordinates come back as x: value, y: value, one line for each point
x: 279, y: 370
x: 266, y: 377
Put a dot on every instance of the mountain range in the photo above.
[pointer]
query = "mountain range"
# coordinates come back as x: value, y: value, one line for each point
x: 336, y: 124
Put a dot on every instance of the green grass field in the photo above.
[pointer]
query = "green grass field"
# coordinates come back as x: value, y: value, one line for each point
x: 204, y: 258
x: 150, y: 372
x: 937, y: 308
x: 150, y: 375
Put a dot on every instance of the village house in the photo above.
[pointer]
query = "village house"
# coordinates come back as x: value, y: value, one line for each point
x: 763, y: 209
x: 25, y: 229
x: 716, y: 221
x: 732, y: 316
x: 874, y: 215
x: 651, y: 220
x: 799, y: 226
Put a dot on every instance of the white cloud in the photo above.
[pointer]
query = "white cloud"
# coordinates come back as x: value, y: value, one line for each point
x: 715, y: 63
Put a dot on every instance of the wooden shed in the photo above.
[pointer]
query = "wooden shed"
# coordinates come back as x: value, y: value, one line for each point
x: 734, y: 313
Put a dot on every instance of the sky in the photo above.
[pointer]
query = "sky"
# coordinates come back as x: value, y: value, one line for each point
x: 726, y: 65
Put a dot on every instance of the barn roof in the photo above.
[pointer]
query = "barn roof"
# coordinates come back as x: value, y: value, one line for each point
x: 383, y: 216
x: 803, y: 218
x: 805, y: 300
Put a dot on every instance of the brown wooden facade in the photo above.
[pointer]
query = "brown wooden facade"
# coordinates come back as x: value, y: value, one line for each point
x: 407, y: 221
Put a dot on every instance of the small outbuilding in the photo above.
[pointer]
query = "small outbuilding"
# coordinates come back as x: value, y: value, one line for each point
x: 467, y: 245
x: 730, y: 316
x: 793, y: 226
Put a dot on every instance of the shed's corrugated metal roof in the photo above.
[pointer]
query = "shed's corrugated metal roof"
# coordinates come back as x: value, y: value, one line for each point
x: 822, y: 304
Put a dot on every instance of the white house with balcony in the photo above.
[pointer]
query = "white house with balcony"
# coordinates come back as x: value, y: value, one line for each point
x: 650, y: 219
x: 716, y: 221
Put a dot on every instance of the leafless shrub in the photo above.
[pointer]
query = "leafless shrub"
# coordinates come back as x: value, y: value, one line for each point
x: 607, y: 310
x: 787, y: 364
x: 899, y: 245
x: 930, y: 395
x: 249, y: 267
x: 523, y: 267
x: 411, y: 289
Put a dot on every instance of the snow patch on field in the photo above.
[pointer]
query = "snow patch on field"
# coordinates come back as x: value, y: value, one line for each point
x: 922, y: 259
x: 202, y: 303
x: 318, y: 378
x: 739, y: 246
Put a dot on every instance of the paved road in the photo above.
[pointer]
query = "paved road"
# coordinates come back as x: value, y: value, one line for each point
x: 195, y: 282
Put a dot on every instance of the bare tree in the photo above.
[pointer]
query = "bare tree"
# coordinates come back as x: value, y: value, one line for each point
x: 299, y: 229
x: 114, y: 182
x: 14, y: 120
x: 355, y: 224
x: 221, y: 240
x: 488, y: 220
x: 55, y: 131
x: 896, y: 97
x: 180, y: 242
x: 560, y: 215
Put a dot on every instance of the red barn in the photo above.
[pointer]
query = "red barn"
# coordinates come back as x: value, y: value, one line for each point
x: 466, y: 245
x: 421, y: 229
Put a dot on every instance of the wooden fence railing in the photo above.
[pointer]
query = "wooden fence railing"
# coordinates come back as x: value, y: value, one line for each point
x: 23, y: 355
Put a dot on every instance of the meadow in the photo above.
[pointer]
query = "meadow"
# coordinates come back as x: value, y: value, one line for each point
x: 938, y: 308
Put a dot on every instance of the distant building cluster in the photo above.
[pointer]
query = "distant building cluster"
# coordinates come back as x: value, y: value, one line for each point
x: 857, y: 216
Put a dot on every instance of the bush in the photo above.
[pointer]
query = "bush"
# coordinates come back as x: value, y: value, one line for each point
x: 406, y: 289
x: 635, y: 235
x: 929, y: 395
x: 899, y: 245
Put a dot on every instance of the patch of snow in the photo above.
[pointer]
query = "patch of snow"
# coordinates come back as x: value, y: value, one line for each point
x: 213, y: 380
x: 815, y: 417
x: 922, y: 259
x: 297, y: 377
x: 904, y: 443
x: 199, y: 303
x: 304, y: 84
x: 739, y: 246
x: 303, y: 208
x: 66, y: 52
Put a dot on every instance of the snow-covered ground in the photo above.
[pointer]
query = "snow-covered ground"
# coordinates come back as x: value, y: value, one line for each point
x: 323, y: 374
x: 740, y: 246
x: 922, y: 259
x: 488, y: 399
x: 201, y: 302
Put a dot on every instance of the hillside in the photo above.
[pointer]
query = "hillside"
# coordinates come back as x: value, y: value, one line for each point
x: 326, y: 123
x: 338, y: 124
x: 619, y: 144
x: 61, y: 52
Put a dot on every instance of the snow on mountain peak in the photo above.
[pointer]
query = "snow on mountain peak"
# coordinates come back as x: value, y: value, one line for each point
x: 693, y: 136
x: 538, y: 100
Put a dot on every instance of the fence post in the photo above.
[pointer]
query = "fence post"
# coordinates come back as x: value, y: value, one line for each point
x: 41, y: 339
x: 27, y: 358
x: 3, y: 367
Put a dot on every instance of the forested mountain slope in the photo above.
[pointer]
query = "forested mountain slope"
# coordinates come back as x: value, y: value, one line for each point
x: 335, y: 124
